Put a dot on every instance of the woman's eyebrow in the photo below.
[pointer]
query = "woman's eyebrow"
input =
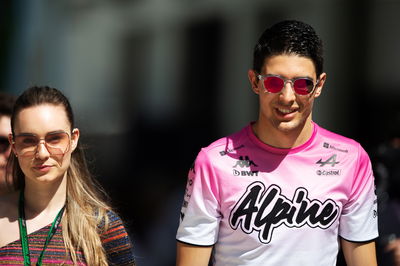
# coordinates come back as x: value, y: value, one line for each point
x: 33, y: 134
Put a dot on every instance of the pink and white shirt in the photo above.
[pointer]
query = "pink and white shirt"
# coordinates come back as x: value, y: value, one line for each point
x: 260, y: 205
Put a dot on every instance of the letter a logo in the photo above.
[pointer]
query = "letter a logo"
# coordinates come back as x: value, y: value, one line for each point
x: 332, y: 161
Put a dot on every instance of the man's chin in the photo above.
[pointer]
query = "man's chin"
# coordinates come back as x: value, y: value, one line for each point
x: 289, y: 127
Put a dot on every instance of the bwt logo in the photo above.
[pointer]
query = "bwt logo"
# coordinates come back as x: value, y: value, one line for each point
x: 244, y: 173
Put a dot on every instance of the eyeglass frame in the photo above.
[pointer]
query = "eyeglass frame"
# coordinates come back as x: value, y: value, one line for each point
x: 285, y: 80
x: 42, y: 140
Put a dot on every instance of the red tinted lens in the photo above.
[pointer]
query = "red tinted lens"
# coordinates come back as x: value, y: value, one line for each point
x: 273, y: 84
x: 303, y: 86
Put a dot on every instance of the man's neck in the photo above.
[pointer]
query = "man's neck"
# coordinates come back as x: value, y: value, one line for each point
x: 281, y: 138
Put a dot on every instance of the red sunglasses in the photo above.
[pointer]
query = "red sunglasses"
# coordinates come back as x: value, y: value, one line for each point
x: 275, y: 83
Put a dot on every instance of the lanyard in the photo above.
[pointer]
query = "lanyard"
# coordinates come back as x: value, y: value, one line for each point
x: 24, y: 235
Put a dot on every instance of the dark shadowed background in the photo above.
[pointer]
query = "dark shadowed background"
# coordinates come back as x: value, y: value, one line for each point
x: 152, y: 81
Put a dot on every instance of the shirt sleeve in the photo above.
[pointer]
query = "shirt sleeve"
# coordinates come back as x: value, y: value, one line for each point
x: 359, y: 221
x: 117, y: 243
x: 200, y: 215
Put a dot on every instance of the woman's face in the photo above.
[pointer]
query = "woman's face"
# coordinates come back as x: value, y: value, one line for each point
x: 43, y: 142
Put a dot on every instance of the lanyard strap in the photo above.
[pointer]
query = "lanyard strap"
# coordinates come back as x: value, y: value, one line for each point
x: 24, y: 236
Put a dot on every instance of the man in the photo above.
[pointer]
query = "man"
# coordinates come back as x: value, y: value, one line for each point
x: 282, y: 191
x: 6, y: 105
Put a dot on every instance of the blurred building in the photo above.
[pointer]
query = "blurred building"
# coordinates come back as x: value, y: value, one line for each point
x: 152, y: 81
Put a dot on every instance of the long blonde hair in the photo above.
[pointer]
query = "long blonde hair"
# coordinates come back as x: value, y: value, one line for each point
x: 85, y: 217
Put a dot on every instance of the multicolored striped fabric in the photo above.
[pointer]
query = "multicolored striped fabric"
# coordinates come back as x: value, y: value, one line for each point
x: 115, y: 240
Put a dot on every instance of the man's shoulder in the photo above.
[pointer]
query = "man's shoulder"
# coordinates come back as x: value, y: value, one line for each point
x: 339, y: 143
x: 327, y: 135
x: 228, y: 143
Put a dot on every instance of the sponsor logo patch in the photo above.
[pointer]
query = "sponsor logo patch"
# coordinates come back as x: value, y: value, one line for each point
x: 329, y: 146
x: 244, y: 162
x: 244, y: 173
x: 225, y: 152
x: 331, y: 172
x: 330, y: 161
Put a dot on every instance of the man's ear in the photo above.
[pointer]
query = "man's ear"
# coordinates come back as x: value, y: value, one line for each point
x: 74, y: 138
x: 253, y: 79
x: 320, y: 85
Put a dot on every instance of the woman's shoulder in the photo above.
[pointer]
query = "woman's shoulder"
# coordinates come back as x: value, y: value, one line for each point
x: 117, y: 242
x: 114, y: 227
x: 112, y: 215
x: 109, y: 221
x: 114, y: 221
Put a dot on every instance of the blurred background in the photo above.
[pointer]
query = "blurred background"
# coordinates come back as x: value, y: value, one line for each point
x: 153, y: 81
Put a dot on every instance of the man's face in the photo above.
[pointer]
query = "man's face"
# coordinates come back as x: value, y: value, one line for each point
x: 286, y: 112
x: 5, y: 130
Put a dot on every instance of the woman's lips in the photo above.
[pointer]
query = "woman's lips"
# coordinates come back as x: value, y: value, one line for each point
x: 42, y: 168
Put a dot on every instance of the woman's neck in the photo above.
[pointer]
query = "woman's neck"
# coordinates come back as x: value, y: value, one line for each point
x: 40, y: 197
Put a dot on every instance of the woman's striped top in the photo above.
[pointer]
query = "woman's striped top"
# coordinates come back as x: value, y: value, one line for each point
x: 115, y: 240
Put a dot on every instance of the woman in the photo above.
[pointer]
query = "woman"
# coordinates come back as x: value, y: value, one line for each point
x: 57, y: 214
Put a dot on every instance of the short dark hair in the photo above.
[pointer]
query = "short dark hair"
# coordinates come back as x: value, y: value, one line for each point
x: 289, y: 37
x: 7, y: 102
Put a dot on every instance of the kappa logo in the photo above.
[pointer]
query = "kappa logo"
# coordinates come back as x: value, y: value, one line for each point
x: 244, y: 162
x: 331, y: 160
x: 263, y: 209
